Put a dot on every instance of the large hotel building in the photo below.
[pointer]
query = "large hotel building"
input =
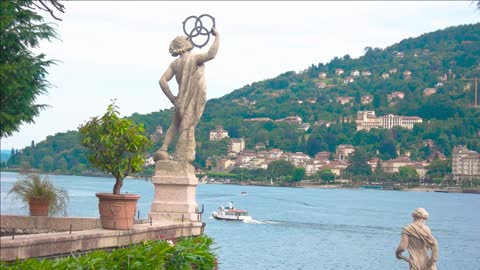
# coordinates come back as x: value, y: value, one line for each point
x: 465, y: 164
x: 367, y: 120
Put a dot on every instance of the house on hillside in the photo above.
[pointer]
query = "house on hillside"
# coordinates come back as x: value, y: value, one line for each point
x: 374, y: 163
x: 260, y: 146
x: 385, y: 76
x: 429, y: 91
x: 395, y: 95
x: 321, y: 85
x: 407, y: 75
x: 429, y: 142
x: 348, y: 80
x: 322, y: 75
x: 218, y: 134
x: 399, y: 54
x: 343, y: 100
x: 304, y: 126
x: 366, y: 73
x: 393, y: 165
x: 355, y: 73
x: 344, y: 151
x: 293, y: 120
x: 366, y: 99
x: 339, y: 71
x: 336, y: 166
x: 325, y: 123
x: 155, y: 136
x: 443, y: 78
x: 236, y: 145
x: 298, y: 159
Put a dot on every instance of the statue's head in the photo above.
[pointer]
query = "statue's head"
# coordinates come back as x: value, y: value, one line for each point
x: 180, y: 45
x: 420, y: 213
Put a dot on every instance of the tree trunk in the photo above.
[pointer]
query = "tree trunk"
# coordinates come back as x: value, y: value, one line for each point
x: 117, y: 186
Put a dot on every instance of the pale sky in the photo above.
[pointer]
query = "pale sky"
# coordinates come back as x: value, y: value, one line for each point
x: 119, y: 49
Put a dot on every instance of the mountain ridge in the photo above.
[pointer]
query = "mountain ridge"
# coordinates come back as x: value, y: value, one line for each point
x: 445, y: 59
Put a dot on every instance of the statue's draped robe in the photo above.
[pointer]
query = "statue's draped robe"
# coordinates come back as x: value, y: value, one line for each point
x: 189, y: 106
x: 420, y: 239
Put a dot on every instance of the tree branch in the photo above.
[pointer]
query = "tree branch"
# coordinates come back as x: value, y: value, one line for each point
x: 56, y: 5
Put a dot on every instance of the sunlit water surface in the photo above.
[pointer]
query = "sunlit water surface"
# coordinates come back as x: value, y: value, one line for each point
x: 304, y: 228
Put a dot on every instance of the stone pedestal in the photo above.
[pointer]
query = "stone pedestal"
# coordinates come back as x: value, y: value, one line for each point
x: 175, y: 183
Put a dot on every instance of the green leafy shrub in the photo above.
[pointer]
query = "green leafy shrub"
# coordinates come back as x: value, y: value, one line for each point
x: 115, y: 145
x: 188, y: 253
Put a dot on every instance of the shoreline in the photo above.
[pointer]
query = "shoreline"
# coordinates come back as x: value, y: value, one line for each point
x: 301, y: 185
x: 366, y: 187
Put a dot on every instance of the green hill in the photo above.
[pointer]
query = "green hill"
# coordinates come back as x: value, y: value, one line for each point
x: 446, y: 60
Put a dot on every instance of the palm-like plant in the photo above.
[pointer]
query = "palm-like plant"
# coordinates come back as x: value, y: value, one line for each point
x: 30, y: 186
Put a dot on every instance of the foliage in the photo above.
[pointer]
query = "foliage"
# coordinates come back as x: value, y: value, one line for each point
x: 280, y: 168
x: 31, y: 185
x: 187, y: 253
x: 22, y: 72
x: 357, y: 164
x: 116, y: 145
x: 406, y: 174
x: 448, y: 119
x: 298, y: 174
x: 326, y: 175
x: 438, y: 169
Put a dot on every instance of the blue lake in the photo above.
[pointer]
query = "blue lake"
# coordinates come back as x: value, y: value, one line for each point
x: 305, y: 228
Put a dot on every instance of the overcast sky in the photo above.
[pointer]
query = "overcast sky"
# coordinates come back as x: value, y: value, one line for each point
x: 118, y: 50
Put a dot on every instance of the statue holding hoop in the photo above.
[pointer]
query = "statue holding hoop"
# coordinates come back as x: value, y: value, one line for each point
x: 188, y: 70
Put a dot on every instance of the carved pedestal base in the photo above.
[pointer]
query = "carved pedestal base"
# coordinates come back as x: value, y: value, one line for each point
x: 175, y: 183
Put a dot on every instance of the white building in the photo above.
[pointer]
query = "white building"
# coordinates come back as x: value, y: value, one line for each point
x: 218, y: 134
x: 343, y: 151
x: 465, y: 164
x: 367, y: 120
x: 236, y: 145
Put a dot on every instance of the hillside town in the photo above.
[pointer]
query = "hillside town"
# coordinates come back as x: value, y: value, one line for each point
x: 465, y: 162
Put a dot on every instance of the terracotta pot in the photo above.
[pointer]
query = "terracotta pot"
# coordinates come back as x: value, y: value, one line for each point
x: 39, y: 206
x: 117, y: 212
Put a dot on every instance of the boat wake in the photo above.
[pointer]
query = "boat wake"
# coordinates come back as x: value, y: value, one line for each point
x: 254, y: 221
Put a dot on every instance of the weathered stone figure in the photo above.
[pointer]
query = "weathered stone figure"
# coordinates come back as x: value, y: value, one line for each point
x: 418, y: 240
x: 188, y: 70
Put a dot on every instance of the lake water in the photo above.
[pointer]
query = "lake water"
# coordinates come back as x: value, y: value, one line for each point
x: 4, y: 155
x: 305, y: 228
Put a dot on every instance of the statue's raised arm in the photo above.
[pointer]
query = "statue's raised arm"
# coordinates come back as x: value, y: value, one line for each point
x: 212, y: 52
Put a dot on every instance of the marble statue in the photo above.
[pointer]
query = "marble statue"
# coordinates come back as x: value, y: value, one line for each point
x: 418, y: 240
x: 188, y: 70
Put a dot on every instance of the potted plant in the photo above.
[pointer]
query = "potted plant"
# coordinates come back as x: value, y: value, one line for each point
x: 115, y: 145
x: 42, y: 197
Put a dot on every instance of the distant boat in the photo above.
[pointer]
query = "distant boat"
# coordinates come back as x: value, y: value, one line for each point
x: 231, y: 213
x: 243, y: 193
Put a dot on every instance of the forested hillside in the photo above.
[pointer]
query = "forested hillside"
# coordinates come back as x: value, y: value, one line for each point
x: 431, y: 76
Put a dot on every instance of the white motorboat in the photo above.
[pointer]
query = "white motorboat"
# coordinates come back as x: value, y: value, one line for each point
x: 231, y: 213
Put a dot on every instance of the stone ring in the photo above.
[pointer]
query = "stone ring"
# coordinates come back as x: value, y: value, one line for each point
x: 198, y: 29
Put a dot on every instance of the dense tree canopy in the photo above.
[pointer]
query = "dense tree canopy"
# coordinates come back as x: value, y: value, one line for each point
x: 22, y: 73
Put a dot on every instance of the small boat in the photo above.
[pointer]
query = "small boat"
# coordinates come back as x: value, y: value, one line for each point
x: 231, y: 213
x: 243, y: 193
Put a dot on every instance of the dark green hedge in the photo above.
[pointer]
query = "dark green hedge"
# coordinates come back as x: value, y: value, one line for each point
x: 185, y: 254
